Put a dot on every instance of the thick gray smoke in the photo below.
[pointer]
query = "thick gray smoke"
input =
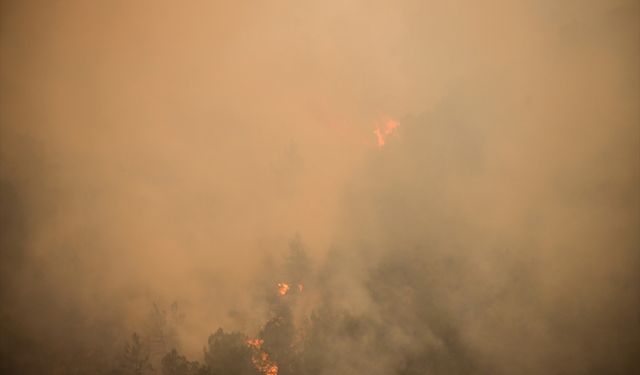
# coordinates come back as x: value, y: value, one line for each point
x: 164, y: 166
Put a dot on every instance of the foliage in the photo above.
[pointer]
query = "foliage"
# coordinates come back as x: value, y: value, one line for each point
x: 175, y: 364
x: 229, y: 354
x: 134, y: 359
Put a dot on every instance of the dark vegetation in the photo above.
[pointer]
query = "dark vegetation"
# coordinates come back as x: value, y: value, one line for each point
x: 387, y: 337
x: 388, y: 341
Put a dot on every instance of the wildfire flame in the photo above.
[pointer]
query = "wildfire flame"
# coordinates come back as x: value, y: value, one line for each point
x: 255, y: 343
x: 261, y: 359
x: 265, y: 365
x: 382, y: 132
x: 379, y: 137
x: 283, y: 288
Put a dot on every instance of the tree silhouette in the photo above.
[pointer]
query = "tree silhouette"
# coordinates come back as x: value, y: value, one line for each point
x: 297, y: 264
x: 229, y: 354
x: 135, y: 359
x: 278, y: 335
x: 175, y: 364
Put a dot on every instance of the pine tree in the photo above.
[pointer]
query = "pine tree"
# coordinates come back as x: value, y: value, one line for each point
x: 176, y: 364
x: 135, y: 359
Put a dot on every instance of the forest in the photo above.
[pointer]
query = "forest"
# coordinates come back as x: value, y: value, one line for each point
x: 287, y: 187
x: 331, y: 337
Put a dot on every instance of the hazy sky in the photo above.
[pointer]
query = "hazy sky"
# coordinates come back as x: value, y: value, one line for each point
x: 156, y: 151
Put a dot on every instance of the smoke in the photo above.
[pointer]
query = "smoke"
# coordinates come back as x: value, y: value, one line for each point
x: 152, y: 153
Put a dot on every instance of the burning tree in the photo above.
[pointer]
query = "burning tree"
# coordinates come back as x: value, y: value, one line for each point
x: 229, y: 354
x: 278, y: 336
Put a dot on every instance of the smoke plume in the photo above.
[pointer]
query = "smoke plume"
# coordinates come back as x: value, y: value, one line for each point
x: 442, y: 187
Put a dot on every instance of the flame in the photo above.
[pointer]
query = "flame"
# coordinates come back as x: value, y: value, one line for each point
x: 265, y: 365
x: 283, y: 288
x: 260, y: 359
x: 379, y: 137
x: 255, y: 343
x: 381, y: 132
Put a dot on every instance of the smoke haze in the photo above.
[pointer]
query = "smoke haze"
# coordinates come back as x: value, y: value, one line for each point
x: 154, y: 152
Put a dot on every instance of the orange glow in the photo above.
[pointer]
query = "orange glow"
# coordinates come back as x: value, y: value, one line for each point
x: 283, y: 288
x: 272, y: 369
x: 261, y: 359
x: 379, y: 137
x: 255, y: 343
x: 390, y: 126
x: 381, y: 132
x: 265, y: 365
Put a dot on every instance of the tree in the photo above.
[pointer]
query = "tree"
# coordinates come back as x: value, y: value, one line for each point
x: 297, y: 263
x: 278, y: 335
x: 135, y: 359
x: 160, y: 332
x: 229, y: 354
x: 176, y: 364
